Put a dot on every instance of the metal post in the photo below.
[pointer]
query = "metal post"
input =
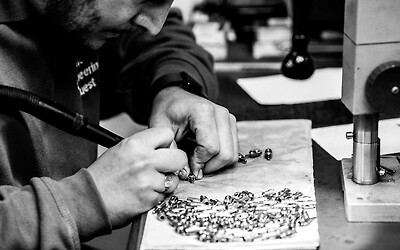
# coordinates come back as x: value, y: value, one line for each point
x: 366, y: 151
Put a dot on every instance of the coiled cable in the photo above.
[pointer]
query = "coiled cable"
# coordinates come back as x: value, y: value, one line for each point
x: 56, y: 115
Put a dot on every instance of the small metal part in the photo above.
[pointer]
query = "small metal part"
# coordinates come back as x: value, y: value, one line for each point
x: 191, y: 178
x: 395, y: 90
x: 381, y: 172
x: 349, y: 135
x: 193, y: 199
x: 242, y: 158
x: 254, y: 153
x: 268, y: 154
x: 387, y: 170
x: 161, y: 216
x: 168, y: 182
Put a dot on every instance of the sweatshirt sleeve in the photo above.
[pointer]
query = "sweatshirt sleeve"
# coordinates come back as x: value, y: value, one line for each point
x: 142, y: 59
x: 48, y: 214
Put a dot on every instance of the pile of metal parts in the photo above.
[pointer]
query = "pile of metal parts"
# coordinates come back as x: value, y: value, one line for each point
x: 240, y: 217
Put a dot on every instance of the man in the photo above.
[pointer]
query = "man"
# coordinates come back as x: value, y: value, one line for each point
x: 55, y: 193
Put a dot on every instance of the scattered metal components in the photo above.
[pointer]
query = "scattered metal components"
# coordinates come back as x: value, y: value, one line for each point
x: 268, y: 154
x: 241, y: 217
x: 191, y: 178
x: 384, y: 170
x: 254, y: 153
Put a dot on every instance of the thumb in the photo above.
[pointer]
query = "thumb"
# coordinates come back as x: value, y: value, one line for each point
x: 159, y: 137
x: 163, y: 121
x: 159, y: 120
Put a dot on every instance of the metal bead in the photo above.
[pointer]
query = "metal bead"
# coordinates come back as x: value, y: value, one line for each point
x: 255, y: 153
x: 242, y: 158
x: 268, y: 154
x: 191, y: 178
x: 161, y: 216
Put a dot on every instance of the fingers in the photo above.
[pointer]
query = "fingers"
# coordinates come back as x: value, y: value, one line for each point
x: 184, y: 173
x: 229, y: 146
x: 217, y: 142
x: 205, y: 128
x: 166, y: 183
x: 159, y: 149
x: 168, y: 160
x: 214, y: 128
x: 159, y: 137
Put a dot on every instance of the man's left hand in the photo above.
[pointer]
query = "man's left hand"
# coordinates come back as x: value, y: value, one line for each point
x: 214, y: 128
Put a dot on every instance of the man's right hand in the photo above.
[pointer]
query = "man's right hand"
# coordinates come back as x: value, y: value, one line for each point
x: 133, y: 176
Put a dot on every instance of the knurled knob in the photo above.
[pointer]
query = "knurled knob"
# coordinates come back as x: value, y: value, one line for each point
x: 383, y: 88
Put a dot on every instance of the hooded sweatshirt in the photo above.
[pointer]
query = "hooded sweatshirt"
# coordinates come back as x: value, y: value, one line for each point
x: 48, y: 199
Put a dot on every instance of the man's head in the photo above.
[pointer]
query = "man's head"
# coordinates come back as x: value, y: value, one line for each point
x: 95, y: 21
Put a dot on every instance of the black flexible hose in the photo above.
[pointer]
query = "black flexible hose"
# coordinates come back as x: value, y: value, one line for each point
x: 56, y: 115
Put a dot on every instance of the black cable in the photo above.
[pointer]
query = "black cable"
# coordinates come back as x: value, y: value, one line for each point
x: 56, y: 115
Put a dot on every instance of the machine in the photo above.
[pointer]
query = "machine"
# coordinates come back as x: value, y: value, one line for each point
x: 371, y: 86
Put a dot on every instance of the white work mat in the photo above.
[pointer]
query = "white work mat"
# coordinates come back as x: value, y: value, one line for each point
x: 333, y: 138
x: 324, y: 85
x: 291, y: 167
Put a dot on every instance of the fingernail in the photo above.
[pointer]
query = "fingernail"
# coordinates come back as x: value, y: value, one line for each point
x: 200, y: 174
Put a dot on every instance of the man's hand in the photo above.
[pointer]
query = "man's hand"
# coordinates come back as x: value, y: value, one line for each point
x: 214, y: 128
x: 133, y: 176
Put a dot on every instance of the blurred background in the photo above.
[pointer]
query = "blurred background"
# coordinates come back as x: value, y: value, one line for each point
x: 252, y: 38
x: 262, y: 27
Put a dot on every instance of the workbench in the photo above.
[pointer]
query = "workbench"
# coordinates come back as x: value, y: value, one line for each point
x: 334, y: 230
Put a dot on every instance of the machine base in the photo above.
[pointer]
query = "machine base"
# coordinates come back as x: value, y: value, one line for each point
x: 379, y: 202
